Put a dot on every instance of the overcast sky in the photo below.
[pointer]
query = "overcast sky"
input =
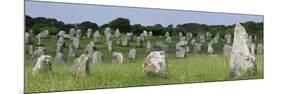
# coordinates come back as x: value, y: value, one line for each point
x: 76, y: 13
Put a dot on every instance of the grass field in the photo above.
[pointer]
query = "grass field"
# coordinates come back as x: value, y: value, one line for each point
x: 193, y: 68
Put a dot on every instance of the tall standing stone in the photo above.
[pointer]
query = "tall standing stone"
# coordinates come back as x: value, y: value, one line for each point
x: 259, y: 48
x: 227, y: 49
x: 97, y: 37
x: 241, y: 61
x: 89, y: 33
x: 148, y: 47
x: 78, y: 33
x: 181, y: 49
x: 109, y: 41
x: 72, y: 32
x: 150, y: 34
x: 210, y: 48
x: 167, y: 34
x: 117, y: 33
x: 27, y: 38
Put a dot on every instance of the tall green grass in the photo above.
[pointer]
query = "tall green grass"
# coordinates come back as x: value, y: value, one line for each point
x: 193, y: 68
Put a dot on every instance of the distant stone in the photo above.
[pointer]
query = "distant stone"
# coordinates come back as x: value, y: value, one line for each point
x: 72, y: 32
x: 197, y: 47
x: 181, y: 49
x: 125, y: 41
x: 59, y: 57
x: 150, y: 34
x: 117, y: 33
x: 259, y: 48
x: 97, y: 57
x: 227, y: 50
x: 132, y: 54
x: 97, y: 37
x: 167, y: 34
x: 210, y: 48
x: 78, y: 33
x: 89, y: 33
x: 43, y: 34
x: 107, y: 30
x: 76, y: 42
x: 27, y: 38
x: 148, y: 47
x: 169, y: 39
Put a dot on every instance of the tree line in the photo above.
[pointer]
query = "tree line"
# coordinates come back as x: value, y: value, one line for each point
x: 39, y: 24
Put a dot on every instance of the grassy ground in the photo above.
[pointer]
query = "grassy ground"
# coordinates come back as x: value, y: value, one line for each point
x: 194, y: 68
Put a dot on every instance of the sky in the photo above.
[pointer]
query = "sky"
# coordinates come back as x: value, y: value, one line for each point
x: 77, y: 13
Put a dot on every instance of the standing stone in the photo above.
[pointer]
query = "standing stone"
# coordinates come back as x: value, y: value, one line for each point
x: 145, y: 33
x: 181, y: 49
x: 117, y: 33
x: 89, y: 33
x: 118, y: 41
x: 228, y: 38
x: 142, y: 37
x: 72, y: 32
x: 210, y: 48
x: 59, y: 57
x: 125, y: 41
x: 81, y: 65
x: 253, y: 49
x: 155, y: 64
x: 241, y: 61
x: 148, y: 47
x: 42, y: 63
x: 60, y: 44
x: 169, y: 39
x: 259, y: 48
x: 130, y: 36
x: 197, y: 47
x: 97, y: 37
x: 188, y: 36
x: 30, y: 49
x: 39, y: 40
x: 72, y: 50
x: 78, y: 33
x: 43, y: 34
x: 97, y: 57
x: 117, y: 57
x: 138, y: 42
x: 150, y: 34
x: 132, y: 54
x: 109, y: 41
x: 90, y: 49
x: 208, y: 36
x: 187, y: 50
x: 193, y: 41
x: 180, y: 35
x: 227, y: 50
x: 107, y: 30
x: 76, y: 42
x: 27, y: 38
x: 202, y: 38
x: 217, y: 38
x: 61, y: 34
x: 167, y: 34
x: 36, y: 54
